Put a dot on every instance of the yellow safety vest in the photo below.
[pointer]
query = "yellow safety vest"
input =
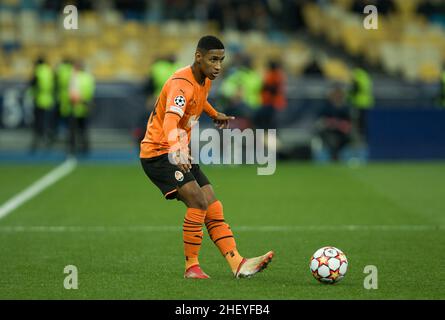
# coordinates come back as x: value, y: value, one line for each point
x: 44, y: 89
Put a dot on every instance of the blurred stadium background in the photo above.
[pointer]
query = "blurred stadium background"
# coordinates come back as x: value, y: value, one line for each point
x: 354, y: 95
x: 319, y: 44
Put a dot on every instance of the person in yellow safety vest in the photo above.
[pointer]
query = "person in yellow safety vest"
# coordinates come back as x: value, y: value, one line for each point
x: 242, y: 89
x: 63, y: 76
x: 81, y: 93
x: 159, y: 73
x: 361, y: 99
x: 42, y: 85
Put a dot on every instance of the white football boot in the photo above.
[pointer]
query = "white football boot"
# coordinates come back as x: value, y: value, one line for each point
x: 251, y: 266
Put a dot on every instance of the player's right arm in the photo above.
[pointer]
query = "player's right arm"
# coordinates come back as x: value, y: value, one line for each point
x: 178, y: 150
x: 179, y: 95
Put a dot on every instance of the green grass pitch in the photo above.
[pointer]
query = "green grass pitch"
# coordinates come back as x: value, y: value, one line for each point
x: 126, y: 240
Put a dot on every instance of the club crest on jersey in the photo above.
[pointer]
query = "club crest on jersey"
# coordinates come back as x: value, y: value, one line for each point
x: 179, y: 176
x: 180, y: 101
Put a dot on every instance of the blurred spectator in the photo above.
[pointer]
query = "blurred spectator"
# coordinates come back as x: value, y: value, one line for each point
x: 334, y: 124
x: 63, y: 76
x: 242, y: 90
x: 273, y: 96
x: 361, y: 99
x: 81, y: 92
x: 42, y: 84
x: 159, y: 73
x: 313, y: 68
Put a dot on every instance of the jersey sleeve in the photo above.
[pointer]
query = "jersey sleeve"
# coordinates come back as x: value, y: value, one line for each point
x: 178, y: 96
x: 170, y: 128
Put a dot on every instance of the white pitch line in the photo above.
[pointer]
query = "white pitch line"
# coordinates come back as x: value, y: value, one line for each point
x: 61, y: 229
x: 47, y: 180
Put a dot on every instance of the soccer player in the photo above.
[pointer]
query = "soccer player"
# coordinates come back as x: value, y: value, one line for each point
x: 167, y: 162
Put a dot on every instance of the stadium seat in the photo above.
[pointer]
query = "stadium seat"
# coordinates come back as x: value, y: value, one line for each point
x: 336, y: 70
x: 429, y: 72
x: 352, y: 37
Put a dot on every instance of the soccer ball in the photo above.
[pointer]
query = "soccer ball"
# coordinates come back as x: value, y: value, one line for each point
x: 328, y: 265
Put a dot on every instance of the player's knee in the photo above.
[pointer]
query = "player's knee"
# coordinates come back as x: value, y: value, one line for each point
x: 199, y: 200
x: 201, y: 203
x: 193, y: 197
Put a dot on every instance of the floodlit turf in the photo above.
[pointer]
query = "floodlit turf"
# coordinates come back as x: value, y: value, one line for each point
x: 126, y: 240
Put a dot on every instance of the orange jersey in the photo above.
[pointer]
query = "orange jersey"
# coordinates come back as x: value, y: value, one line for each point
x: 183, y: 96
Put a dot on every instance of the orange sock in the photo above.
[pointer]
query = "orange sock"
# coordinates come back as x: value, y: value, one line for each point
x: 192, y: 235
x: 220, y: 233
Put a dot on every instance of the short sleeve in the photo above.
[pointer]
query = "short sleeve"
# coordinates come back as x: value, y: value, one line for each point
x: 178, y: 96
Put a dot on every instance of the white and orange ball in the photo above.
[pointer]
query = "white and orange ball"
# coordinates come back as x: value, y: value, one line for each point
x: 328, y: 265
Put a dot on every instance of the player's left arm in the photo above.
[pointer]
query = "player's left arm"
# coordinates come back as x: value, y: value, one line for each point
x: 220, y: 119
